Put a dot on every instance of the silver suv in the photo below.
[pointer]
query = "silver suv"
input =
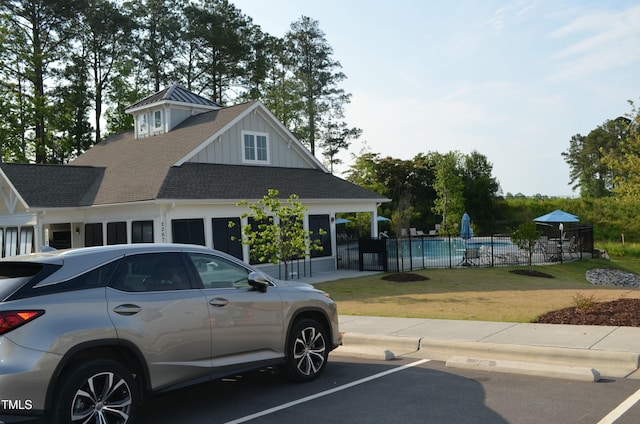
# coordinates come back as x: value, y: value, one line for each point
x: 86, y: 334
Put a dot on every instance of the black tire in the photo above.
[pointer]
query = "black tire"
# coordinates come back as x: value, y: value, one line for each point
x: 307, y: 351
x: 97, y: 391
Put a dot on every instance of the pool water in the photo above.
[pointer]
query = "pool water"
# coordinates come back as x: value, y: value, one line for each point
x: 435, y: 248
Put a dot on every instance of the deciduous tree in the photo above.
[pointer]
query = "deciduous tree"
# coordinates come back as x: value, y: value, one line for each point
x: 481, y: 188
x: 280, y: 235
x: 525, y: 237
x: 449, y: 186
x: 589, y: 172
x: 625, y: 161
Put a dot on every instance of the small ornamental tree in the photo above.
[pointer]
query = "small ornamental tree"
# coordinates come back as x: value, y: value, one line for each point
x: 279, y: 235
x: 401, y: 217
x: 526, y: 237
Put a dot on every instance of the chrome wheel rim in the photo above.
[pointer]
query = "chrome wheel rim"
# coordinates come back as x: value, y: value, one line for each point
x: 103, y: 398
x: 309, y: 351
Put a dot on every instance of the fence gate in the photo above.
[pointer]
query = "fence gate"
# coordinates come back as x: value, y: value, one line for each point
x: 373, y: 254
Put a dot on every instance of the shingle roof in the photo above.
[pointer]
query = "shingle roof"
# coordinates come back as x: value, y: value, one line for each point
x: 136, y: 169
x: 123, y: 169
x: 54, y: 186
x: 217, y: 181
x: 177, y: 94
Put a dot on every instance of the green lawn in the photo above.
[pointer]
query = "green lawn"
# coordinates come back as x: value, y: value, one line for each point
x: 485, y: 294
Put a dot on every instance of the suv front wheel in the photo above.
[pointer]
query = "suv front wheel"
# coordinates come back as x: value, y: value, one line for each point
x: 100, y: 391
x: 307, y: 351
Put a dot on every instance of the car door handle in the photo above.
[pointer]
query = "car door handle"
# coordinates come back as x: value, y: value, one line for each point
x: 218, y: 302
x: 127, y: 309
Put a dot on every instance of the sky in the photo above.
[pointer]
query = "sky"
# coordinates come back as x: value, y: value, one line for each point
x: 513, y: 80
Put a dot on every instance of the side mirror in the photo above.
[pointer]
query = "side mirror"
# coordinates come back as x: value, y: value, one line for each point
x: 258, y: 281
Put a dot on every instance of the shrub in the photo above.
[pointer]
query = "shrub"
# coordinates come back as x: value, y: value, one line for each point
x: 584, y: 303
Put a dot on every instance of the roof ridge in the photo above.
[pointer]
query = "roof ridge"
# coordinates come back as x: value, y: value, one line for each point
x: 170, y: 90
x: 51, y: 165
x: 175, y: 93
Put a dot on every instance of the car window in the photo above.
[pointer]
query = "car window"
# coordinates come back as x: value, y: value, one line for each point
x: 98, y: 277
x: 151, y: 272
x: 14, y: 275
x: 218, y: 273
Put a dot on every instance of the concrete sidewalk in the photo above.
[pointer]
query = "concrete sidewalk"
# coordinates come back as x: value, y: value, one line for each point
x: 579, y: 352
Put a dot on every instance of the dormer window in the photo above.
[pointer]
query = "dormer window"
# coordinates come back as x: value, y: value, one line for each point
x: 255, y: 147
x: 162, y: 111
x: 157, y: 120
x: 143, y: 125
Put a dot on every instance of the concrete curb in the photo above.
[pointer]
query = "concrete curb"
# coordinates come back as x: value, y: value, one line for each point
x: 400, y: 343
x: 383, y: 348
x: 607, y: 363
x: 581, y: 364
x: 526, y: 368
x: 365, y: 352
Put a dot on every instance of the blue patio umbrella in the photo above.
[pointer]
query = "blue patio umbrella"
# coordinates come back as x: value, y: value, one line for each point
x: 342, y: 221
x: 382, y: 218
x: 466, y: 233
x: 558, y: 216
x: 465, y: 229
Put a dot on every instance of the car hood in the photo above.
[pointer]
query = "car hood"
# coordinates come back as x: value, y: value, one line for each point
x: 297, y: 285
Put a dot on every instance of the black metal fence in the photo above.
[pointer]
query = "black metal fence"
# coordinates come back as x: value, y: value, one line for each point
x: 418, y: 252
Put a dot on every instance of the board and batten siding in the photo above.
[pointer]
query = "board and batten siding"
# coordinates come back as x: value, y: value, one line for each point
x: 228, y: 147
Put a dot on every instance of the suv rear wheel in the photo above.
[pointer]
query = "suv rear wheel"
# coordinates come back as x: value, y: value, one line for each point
x: 307, y: 351
x: 101, y: 391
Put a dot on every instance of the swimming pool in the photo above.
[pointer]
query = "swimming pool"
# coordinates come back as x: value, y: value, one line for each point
x: 424, y: 252
x: 441, y: 248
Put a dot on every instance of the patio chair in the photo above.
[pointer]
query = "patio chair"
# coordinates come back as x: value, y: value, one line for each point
x: 471, y: 254
x: 541, y: 244
x: 570, y: 247
x: 511, y: 258
x: 551, y: 251
x: 485, y: 255
x: 415, y: 233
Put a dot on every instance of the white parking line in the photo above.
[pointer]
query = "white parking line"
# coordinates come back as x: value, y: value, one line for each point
x: 621, y: 409
x: 325, y: 393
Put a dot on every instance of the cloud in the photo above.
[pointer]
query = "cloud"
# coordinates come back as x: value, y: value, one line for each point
x: 509, y: 13
x: 604, y: 40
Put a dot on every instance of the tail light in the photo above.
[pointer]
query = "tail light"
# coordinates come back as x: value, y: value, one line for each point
x: 10, y: 320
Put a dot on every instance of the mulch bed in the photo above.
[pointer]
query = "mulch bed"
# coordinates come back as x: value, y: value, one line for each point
x: 621, y: 312
x: 404, y: 277
x: 531, y: 273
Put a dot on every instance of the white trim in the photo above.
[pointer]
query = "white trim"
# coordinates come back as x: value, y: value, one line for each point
x: 11, y: 198
x: 142, y: 118
x: 158, y: 125
x: 255, y: 135
x: 188, y: 105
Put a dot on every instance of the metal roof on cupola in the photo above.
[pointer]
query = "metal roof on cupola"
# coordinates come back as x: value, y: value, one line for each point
x: 174, y: 95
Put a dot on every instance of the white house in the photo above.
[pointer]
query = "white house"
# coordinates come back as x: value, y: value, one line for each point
x: 177, y: 177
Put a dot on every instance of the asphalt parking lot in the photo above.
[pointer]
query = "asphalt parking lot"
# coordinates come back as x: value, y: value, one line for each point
x: 406, y: 390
